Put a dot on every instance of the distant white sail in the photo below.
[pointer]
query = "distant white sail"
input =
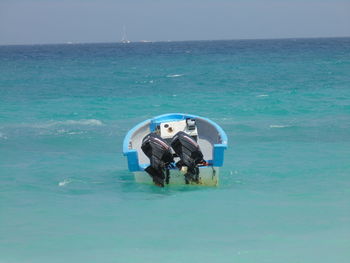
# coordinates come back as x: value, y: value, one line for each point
x: 125, y: 37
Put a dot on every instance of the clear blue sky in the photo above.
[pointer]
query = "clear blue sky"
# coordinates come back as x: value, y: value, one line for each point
x: 60, y: 21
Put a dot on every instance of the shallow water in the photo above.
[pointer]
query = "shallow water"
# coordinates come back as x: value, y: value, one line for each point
x: 66, y: 194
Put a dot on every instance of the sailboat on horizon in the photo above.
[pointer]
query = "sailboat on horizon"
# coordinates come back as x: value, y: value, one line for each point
x: 125, y: 39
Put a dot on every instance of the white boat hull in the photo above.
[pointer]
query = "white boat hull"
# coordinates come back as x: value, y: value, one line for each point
x: 208, y: 176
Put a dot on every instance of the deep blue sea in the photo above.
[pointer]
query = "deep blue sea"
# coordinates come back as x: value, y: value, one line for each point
x: 284, y: 196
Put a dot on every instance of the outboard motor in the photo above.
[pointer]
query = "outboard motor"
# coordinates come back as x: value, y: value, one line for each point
x: 190, y: 155
x: 159, y: 153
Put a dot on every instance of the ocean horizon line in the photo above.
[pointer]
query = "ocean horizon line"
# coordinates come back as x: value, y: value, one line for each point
x: 172, y: 41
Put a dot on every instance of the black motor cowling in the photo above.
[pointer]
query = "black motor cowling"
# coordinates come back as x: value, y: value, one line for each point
x: 190, y: 155
x: 159, y: 153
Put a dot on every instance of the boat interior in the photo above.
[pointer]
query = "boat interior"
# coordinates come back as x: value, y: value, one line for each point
x: 206, y: 134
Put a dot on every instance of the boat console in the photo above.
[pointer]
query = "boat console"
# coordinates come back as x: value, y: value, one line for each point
x: 167, y: 130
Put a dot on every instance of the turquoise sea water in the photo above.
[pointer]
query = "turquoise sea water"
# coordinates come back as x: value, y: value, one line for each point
x: 66, y: 194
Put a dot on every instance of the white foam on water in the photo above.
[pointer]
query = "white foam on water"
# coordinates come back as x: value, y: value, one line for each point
x: 3, y: 136
x: 64, y: 182
x: 90, y: 122
x: 50, y: 124
x: 279, y: 126
x: 74, y: 133
x: 262, y: 95
x: 85, y: 122
x: 174, y: 75
x: 61, y: 131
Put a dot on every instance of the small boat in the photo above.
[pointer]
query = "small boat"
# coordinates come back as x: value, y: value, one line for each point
x: 125, y: 39
x: 175, y: 149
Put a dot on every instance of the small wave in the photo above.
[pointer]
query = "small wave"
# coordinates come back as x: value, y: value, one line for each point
x: 279, y: 126
x: 63, y: 131
x: 174, y: 75
x: 91, y: 122
x: 3, y: 136
x: 75, y: 133
x: 262, y: 95
x: 86, y: 122
x: 64, y: 182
